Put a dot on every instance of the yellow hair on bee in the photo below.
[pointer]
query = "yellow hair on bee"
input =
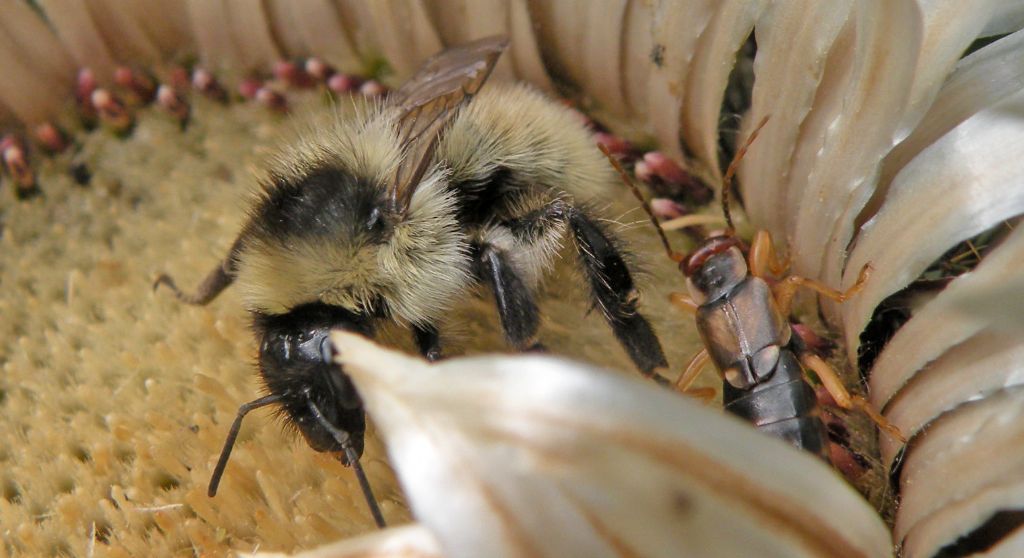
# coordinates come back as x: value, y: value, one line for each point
x: 542, y: 142
x: 424, y: 265
x: 361, y: 138
x: 418, y: 272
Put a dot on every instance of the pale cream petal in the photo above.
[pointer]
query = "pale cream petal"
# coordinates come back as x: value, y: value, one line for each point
x: 919, y: 341
x: 677, y: 27
x: 118, y: 24
x: 972, y: 449
x: 794, y: 40
x: 81, y: 36
x: 955, y: 189
x: 961, y: 518
x: 405, y: 34
x: 730, y: 26
x: 320, y: 24
x: 524, y: 50
x: 538, y: 456
x: 250, y: 30
x: 407, y: 541
x: 860, y: 133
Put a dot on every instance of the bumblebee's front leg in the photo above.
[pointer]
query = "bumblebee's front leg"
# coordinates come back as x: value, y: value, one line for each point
x: 216, y: 281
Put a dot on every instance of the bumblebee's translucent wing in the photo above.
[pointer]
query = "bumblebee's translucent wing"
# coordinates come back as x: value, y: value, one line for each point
x: 537, y: 456
x: 429, y: 100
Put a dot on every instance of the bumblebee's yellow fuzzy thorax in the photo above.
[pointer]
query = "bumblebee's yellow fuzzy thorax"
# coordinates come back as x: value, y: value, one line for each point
x: 315, y: 240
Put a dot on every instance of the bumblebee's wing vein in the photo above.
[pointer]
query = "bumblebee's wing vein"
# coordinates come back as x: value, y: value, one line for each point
x: 429, y: 101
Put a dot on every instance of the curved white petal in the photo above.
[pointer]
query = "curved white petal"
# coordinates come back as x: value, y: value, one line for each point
x: 537, y: 456
x: 979, y: 81
x: 980, y: 366
x: 408, y: 541
x: 920, y: 341
x: 405, y: 34
x: 958, y: 187
x: 677, y: 26
x: 861, y: 130
x: 713, y: 62
x: 945, y: 526
x: 1009, y: 17
x: 959, y: 457
x: 794, y: 40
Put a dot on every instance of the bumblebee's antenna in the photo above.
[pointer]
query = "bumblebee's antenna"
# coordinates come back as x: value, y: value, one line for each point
x: 731, y: 171
x: 345, y: 440
x: 218, y: 471
x: 640, y: 197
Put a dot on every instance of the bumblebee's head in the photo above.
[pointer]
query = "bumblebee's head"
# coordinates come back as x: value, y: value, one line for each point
x: 296, y: 364
x: 714, y: 268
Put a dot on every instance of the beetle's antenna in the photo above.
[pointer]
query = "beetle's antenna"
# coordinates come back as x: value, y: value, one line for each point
x: 731, y: 171
x: 218, y: 471
x: 640, y: 197
x: 345, y: 440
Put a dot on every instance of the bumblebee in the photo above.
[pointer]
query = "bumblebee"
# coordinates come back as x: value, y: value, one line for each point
x: 398, y: 213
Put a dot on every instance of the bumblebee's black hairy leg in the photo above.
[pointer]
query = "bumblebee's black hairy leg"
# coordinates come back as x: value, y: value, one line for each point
x: 216, y: 281
x: 516, y: 306
x: 615, y: 294
x: 428, y: 341
x: 612, y: 287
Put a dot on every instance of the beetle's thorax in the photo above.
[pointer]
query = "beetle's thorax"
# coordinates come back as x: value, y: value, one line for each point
x: 744, y: 331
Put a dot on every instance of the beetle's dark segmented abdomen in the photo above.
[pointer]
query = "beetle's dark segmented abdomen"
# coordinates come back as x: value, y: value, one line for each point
x: 783, y: 406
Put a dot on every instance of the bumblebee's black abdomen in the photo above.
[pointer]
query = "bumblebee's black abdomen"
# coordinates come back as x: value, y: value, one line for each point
x: 784, y: 406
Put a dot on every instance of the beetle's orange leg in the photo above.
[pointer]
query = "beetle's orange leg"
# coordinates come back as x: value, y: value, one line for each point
x: 692, y: 371
x: 763, y: 258
x: 683, y: 302
x: 704, y: 394
x: 830, y: 380
x: 786, y: 288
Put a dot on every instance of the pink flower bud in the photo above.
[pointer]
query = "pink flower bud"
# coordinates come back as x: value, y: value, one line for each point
x: 665, y: 208
x: 112, y: 110
x: 51, y: 138
x: 85, y: 84
x: 343, y: 83
x: 665, y: 168
x: 614, y: 144
x: 372, y: 88
x: 207, y: 84
x: 271, y: 99
x: 178, y: 78
x: 140, y: 87
x: 292, y: 74
x: 318, y: 69
x: 248, y: 87
x: 643, y: 171
x: 15, y: 161
x: 169, y: 99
